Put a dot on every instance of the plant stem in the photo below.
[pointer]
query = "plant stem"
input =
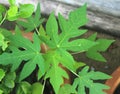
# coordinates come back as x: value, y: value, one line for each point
x: 75, y: 73
x: 3, y: 19
x: 43, y: 87
x: 37, y: 30
x: 76, y: 53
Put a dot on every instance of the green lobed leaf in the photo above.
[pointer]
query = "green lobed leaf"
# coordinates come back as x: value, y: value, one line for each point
x: 52, y: 28
x: 42, y: 33
x: 102, y: 46
x: 92, y: 37
x: 26, y: 10
x: 66, y: 59
x: 68, y: 30
x: 99, y: 88
x: 86, y: 79
x: 79, y: 45
x: 33, y: 21
x: 55, y: 73
x: 60, y: 43
x: 12, y: 13
x: 78, y: 17
x: 31, y: 54
x: 28, y: 68
x: 95, y: 55
x: 68, y: 27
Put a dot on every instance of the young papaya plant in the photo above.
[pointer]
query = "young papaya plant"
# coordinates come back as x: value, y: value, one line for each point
x: 30, y: 68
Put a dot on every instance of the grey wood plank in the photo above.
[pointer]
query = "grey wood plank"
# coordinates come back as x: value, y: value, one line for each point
x: 111, y: 7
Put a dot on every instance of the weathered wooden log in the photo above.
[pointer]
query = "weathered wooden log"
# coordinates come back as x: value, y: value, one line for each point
x: 111, y: 7
x: 98, y: 20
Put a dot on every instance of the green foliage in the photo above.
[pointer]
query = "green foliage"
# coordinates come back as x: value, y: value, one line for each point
x: 61, y: 37
x: 37, y: 88
x: 8, y: 80
x: 60, y: 45
x: 31, y: 54
x: 102, y: 46
x: 24, y: 11
x: 0, y: 17
x: 32, y: 22
x: 14, y: 12
x: 67, y: 89
x: 55, y: 73
x: 1, y: 92
x: 2, y: 74
x: 12, y: 2
x: 24, y: 88
x: 85, y: 79
x: 6, y: 33
x: 3, y: 43
x: 2, y: 10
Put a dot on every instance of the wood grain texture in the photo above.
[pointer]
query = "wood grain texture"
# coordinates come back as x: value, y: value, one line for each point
x: 111, y: 7
x: 98, y: 20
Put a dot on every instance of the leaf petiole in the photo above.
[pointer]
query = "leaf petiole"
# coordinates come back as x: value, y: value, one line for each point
x: 3, y: 19
x: 36, y: 29
x: 75, y: 73
x: 43, y: 86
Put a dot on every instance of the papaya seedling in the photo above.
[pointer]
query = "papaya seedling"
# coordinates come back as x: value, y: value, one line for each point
x: 27, y: 60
